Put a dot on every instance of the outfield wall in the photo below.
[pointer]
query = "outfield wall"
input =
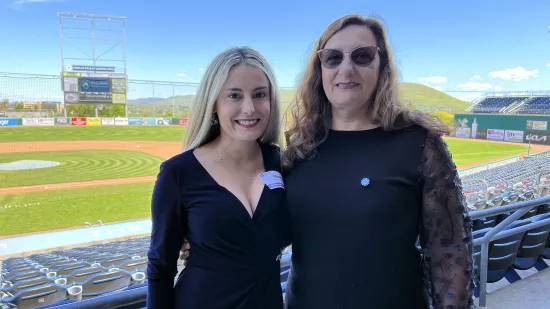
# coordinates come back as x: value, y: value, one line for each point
x: 506, y: 128
x: 91, y: 121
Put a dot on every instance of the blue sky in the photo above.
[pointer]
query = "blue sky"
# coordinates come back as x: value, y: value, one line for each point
x: 469, y: 45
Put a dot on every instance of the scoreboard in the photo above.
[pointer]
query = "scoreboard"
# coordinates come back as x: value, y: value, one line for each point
x: 94, y: 88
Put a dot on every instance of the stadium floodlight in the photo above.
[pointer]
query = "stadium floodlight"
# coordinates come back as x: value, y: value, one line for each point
x: 83, y: 80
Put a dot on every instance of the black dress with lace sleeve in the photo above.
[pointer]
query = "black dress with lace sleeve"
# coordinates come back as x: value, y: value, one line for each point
x: 358, y: 208
x: 446, y: 231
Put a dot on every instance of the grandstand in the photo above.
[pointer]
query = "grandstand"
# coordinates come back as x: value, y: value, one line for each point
x: 513, y: 103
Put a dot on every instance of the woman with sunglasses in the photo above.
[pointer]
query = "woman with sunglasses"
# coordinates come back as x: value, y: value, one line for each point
x: 224, y: 194
x: 370, y: 176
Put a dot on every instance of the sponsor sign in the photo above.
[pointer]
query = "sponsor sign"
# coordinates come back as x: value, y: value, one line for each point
x: 181, y: 121
x: 463, y: 132
x: 513, y: 136
x: 46, y: 121
x: 61, y: 121
x: 9, y: 122
x: 151, y: 121
x: 135, y: 121
x: 29, y: 121
x: 93, y: 121
x: 495, y: 135
x: 79, y: 121
x: 121, y: 121
x: 107, y: 121
x: 537, y: 125
x: 481, y: 133
x: 76, y: 67
x: 537, y: 138
x: 163, y: 121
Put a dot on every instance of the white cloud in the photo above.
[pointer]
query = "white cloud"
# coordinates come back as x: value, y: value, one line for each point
x: 497, y: 87
x: 515, y: 74
x: 476, y: 77
x: 548, y: 65
x: 201, y: 69
x: 434, y: 79
x: 473, y: 86
x: 18, y: 4
x: 181, y: 74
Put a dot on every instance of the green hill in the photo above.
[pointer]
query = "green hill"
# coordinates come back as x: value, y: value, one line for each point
x: 421, y: 96
x: 430, y: 99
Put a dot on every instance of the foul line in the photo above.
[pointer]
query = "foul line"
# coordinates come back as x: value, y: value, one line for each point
x: 69, y: 185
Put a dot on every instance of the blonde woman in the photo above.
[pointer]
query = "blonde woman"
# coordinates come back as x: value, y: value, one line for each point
x: 369, y: 176
x: 224, y: 194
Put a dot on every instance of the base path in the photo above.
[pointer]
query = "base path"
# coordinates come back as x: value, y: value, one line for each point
x: 162, y: 149
x: 80, y: 184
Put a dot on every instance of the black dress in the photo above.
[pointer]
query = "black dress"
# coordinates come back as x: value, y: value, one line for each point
x: 234, y: 258
x: 357, y: 209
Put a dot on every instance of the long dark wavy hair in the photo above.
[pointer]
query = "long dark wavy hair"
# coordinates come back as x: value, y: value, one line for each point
x: 311, y: 109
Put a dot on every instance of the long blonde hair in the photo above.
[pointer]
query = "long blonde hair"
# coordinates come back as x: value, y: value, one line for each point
x: 200, y: 130
x: 311, y: 110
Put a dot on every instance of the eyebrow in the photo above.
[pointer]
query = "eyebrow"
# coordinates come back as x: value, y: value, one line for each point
x: 239, y: 89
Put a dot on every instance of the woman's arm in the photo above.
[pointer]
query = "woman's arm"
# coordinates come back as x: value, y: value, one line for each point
x: 446, y: 232
x: 166, y: 239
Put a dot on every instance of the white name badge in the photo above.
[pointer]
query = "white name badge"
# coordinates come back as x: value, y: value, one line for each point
x: 273, y: 179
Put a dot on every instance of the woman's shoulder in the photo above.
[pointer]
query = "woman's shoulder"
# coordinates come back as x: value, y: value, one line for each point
x: 272, y: 155
x: 180, y: 162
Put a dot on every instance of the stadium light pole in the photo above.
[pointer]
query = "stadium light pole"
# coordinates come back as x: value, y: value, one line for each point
x: 93, y: 34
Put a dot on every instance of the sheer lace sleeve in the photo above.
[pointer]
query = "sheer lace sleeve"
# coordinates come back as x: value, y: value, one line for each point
x: 446, y: 234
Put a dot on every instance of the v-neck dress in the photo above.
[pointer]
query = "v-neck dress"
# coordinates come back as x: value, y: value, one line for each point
x: 234, y: 257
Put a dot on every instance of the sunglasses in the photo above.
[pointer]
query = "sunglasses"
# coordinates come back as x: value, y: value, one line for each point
x: 361, y: 56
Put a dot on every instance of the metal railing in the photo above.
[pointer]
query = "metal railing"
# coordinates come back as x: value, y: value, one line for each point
x: 497, y: 232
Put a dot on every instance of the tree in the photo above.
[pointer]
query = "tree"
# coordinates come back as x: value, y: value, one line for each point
x: 81, y: 110
x: 112, y: 110
x: 4, y: 104
x: 19, y: 105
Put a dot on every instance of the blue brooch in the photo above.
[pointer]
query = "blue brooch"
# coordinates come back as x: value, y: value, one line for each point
x: 365, y: 182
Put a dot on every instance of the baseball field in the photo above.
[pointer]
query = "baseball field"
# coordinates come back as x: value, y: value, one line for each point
x: 60, y: 177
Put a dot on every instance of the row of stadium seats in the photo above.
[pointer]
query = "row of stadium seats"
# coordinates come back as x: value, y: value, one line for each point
x: 527, y: 105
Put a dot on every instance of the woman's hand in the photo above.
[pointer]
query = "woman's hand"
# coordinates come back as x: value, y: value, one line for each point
x: 184, y: 252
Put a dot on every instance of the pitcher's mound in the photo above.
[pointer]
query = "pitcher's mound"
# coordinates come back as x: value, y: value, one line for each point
x: 27, y: 165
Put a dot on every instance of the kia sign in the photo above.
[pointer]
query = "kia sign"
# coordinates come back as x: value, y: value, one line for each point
x: 537, y: 138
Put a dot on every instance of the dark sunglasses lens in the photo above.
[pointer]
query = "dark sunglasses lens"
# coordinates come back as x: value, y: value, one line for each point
x: 331, y: 58
x: 363, y: 56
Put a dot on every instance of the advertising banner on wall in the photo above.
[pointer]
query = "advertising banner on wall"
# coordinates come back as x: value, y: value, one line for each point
x: 513, y: 136
x: 107, y: 121
x: 537, y: 125
x: 93, y: 121
x: 537, y: 138
x: 121, y: 121
x: 495, y: 135
x: 9, y: 122
x: 29, y: 121
x: 135, y: 121
x: 78, y: 121
x: 62, y: 121
x: 46, y: 121
x: 463, y: 132
x: 150, y: 121
x: 181, y: 121
x: 163, y: 121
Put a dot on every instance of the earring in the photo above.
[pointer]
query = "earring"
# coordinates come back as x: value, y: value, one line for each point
x: 214, y: 120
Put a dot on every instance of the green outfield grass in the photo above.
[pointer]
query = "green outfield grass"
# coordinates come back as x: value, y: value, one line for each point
x: 79, y: 165
x: 49, y: 210
x: 100, y: 133
x: 468, y: 152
